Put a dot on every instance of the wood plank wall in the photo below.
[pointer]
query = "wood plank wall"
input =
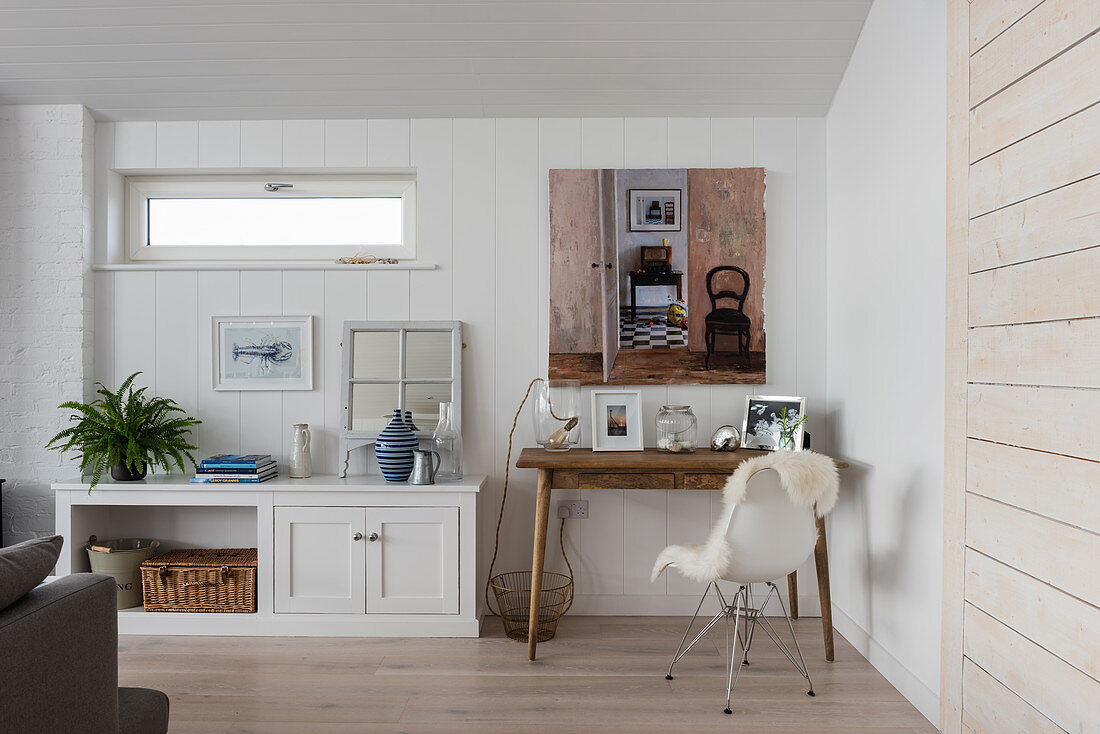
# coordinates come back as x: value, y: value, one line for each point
x: 1022, y: 506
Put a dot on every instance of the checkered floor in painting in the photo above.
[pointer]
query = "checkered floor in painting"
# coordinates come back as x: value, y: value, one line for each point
x: 650, y: 331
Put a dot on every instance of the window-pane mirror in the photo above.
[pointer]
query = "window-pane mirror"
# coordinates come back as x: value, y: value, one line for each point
x: 427, y: 354
x: 423, y: 400
x: 372, y: 405
x: 403, y: 365
x: 377, y: 354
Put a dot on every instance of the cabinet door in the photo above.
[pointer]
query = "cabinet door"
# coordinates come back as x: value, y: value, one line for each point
x: 412, y: 568
x: 319, y: 563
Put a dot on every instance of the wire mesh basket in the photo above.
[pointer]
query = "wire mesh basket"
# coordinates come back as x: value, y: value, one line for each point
x: 513, y: 595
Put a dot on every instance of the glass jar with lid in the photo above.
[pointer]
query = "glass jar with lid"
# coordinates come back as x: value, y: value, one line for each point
x: 677, y: 429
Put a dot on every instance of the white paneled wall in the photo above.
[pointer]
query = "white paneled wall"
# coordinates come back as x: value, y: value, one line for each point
x: 483, y: 222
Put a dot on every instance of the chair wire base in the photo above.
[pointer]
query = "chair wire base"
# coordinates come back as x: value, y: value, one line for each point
x: 743, y: 608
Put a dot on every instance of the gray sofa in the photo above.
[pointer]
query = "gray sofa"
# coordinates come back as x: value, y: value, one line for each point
x: 59, y: 664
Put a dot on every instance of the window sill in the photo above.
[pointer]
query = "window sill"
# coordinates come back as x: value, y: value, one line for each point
x: 280, y: 265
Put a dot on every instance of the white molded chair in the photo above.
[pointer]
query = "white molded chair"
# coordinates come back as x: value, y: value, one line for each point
x: 768, y: 537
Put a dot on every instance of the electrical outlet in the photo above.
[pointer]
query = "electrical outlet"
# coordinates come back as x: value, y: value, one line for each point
x: 577, y: 509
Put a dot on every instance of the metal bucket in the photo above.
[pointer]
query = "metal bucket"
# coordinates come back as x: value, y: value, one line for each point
x: 122, y: 558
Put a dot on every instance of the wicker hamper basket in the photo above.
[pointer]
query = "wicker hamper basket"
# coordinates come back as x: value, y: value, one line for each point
x: 201, y: 580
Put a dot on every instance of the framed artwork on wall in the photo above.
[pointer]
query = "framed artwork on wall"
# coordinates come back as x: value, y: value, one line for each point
x: 761, y: 429
x: 642, y: 288
x: 617, y: 420
x: 263, y: 352
x: 655, y: 210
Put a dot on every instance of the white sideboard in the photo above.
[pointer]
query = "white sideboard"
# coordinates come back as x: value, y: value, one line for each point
x: 336, y: 557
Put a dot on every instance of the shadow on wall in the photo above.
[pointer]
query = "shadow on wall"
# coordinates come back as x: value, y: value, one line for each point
x: 880, y: 569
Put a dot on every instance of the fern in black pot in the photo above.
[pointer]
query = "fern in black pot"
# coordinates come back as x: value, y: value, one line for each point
x: 127, y: 432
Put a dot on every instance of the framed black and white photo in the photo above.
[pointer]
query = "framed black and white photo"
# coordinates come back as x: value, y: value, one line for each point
x: 263, y: 352
x: 761, y: 429
x: 617, y: 420
x: 655, y: 210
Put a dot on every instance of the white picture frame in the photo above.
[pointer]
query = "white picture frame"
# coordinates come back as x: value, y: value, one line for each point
x: 668, y: 209
x: 262, y: 352
x: 614, y: 411
x: 759, y: 429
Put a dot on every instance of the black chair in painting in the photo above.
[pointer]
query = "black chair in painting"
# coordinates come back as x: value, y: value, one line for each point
x: 728, y: 321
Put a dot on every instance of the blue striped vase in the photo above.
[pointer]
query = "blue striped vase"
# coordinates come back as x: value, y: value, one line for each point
x: 394, y: 449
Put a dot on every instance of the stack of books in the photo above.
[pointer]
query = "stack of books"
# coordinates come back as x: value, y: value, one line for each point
x: 236, y: 469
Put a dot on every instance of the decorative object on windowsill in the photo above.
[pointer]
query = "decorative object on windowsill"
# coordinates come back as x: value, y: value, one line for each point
x: 677, y: 429
x: 726, y: 438
x: 790, y: 424
x: 126, y: 432
x: 394, y: 449
x: 512, y: 589
x: 556, y: 414
x: 424, y: 467
x: 360, y: 259
x: 263, y: 352
x: 762, y: 428
x: 301, y: 464
x: 617, y: 420
x: 409, y: 421
x: 447, y: 442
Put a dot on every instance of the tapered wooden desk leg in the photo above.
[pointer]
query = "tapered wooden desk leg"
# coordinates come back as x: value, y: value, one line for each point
x: 792, y: 592
x: 538, y: 555
x: 821, y: 559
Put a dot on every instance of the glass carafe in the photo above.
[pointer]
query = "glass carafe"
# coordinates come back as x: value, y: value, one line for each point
x: 447, y: 442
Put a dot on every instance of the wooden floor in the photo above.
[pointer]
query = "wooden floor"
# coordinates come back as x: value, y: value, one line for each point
x: 659, y: 367
x: 600, y: 675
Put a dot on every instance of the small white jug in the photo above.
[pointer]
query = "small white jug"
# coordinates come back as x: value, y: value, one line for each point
x: 301, y: 466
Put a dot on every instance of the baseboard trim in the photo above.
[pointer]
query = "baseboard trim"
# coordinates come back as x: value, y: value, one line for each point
x: 667, y: 605
x: 900, y: 677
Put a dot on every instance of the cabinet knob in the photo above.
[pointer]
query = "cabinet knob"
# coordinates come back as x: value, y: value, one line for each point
x: 357, y: 536
x: 372, y: 537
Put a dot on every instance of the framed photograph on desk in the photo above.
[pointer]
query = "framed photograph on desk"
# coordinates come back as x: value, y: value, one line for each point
x: 617, y: 420
x: 761, y: 428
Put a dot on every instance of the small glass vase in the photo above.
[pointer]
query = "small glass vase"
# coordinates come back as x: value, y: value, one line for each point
x: 677, y: 429
x: 786, y: 441
x: 447, y: 442
x: 556, y: 414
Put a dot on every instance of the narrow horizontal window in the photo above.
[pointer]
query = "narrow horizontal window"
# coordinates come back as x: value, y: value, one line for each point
x: 220, y: 218
x: 348, y: 221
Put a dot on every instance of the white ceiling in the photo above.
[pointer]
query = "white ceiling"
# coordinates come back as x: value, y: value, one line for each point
x: 255, y: 59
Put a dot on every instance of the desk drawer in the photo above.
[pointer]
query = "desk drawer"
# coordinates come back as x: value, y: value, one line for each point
x: 705, y: 481
x: 627, y: 481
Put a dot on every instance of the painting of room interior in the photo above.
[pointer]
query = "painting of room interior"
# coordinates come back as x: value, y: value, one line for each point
x: 632, y: 305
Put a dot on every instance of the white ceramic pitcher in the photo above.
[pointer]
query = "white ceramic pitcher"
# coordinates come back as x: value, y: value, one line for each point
x: 301, y: 466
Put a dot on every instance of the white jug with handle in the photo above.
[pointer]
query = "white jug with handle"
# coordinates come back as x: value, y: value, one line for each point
x: 301, y: 466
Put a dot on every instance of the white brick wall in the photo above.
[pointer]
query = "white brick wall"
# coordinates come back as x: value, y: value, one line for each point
x: 45, y: 300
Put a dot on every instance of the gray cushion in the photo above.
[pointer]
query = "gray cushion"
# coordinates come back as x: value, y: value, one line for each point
x: 142, y: 711
x: 24, y: 565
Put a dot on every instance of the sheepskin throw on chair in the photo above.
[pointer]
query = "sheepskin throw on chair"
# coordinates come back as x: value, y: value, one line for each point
x: 810, y: 480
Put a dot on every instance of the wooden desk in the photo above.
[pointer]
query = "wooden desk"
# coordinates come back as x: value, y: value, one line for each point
x: 649, y: 469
